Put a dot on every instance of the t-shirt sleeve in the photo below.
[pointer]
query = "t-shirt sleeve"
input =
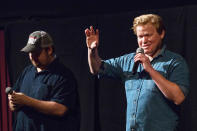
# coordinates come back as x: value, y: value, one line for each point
x: 64, y: 92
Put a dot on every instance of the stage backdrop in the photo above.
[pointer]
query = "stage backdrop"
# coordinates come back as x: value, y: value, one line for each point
x: 103, y: 102
x: 5, y: 113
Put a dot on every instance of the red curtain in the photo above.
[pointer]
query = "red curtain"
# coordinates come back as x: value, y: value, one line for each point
x: 5, y: 113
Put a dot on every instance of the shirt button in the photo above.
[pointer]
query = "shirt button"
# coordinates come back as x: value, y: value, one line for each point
x: 132, y: 129
x: 133, y: 115
x: 135, y: 101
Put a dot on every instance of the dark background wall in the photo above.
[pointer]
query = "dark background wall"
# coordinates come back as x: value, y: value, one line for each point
x: 103, y: 102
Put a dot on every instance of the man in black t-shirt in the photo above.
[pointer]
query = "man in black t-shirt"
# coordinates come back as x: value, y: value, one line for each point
x: 45, y: 94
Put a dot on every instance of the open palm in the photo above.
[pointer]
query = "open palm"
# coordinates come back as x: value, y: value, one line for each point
x: 92, y: 38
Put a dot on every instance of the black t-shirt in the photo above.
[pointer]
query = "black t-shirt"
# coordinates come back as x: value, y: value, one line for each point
x: 56, y: 83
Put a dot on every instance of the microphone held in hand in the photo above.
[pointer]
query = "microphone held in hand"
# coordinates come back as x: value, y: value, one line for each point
x: 136, y: 64
x: 8, y: 90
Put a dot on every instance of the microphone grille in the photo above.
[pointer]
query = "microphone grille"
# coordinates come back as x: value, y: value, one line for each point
x: 8, y: 90
x: 140, y: 50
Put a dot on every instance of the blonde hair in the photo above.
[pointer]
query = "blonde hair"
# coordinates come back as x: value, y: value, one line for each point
x: 153, y: 19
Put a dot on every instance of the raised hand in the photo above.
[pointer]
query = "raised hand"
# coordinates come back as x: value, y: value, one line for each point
x: 92, y: 38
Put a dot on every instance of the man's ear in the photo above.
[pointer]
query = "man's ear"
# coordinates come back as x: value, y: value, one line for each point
x: 163, y: 34
x: 50, y: 50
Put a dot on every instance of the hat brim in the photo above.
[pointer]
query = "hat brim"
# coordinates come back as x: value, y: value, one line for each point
x: 29, y: 48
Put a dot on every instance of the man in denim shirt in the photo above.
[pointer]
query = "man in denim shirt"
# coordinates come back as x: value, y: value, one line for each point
x: 160, y: 83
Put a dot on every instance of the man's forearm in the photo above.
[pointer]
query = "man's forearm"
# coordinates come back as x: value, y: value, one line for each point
x: 46, y: 107
x: 170, y: 90
x: 94, y: 60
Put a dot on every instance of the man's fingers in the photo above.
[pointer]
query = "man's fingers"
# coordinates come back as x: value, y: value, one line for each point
x: 92, y: 32
x: 97, y: 31
x: 87, y: 32
x: 138, y: 57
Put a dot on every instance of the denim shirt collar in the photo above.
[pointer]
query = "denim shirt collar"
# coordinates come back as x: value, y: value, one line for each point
x: 162, y: 52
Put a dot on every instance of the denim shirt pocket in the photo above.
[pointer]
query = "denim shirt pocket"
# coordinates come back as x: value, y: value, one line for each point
x: 150, y: 85
x: 131, y: 82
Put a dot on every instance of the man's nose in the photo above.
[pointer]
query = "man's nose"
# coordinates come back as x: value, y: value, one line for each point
x: 145, y: 39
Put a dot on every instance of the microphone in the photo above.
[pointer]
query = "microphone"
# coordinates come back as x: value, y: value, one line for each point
x: 136, y: 64
x: 8, y: 90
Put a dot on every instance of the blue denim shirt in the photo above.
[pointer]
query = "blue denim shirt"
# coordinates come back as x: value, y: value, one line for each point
x: 147, y: 107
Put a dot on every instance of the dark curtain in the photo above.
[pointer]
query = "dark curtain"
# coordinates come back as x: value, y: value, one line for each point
x: 103, y: 102
x: 5, y: 114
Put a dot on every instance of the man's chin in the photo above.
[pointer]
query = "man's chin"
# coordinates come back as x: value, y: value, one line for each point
x: 36, y: 65
x: 146, y: 51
